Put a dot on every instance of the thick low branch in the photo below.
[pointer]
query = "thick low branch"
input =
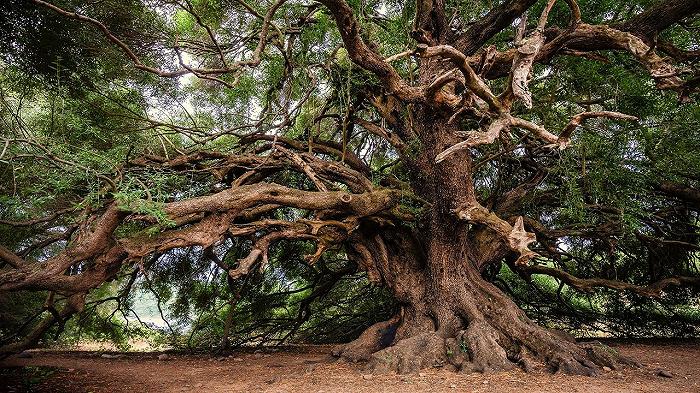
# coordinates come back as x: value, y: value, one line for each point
x: 333, y: 233
x: 213, y: 218
x: 680, y: 191
x: 74, y: 304
x: 10, y: 258
x: 243, y: 197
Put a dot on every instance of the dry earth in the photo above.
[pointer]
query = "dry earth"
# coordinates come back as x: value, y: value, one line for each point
x: 313, y: 371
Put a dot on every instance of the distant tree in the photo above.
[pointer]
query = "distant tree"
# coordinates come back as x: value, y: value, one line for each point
x: 433, y: 145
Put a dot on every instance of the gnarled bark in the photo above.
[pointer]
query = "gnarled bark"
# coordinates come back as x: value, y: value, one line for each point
x: 451, y: 317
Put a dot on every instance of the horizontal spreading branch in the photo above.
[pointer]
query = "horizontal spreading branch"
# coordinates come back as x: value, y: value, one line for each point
x: 207, y: 220
x: 10, y: 258
x: 588, y: 284
x: 576, y: 121
x: 680, y: 191
x: 585, y: 39
x: 477, y: 138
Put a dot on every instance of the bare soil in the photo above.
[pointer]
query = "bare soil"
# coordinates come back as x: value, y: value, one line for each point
x: 312, y: 370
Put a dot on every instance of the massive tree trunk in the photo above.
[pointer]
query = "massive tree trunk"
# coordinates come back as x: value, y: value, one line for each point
x: 450, y: 316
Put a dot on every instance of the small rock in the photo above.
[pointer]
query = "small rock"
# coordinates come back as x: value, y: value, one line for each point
x: 24, y: 355
x: 607, y: 369
x: 108, y: 356
x: 367, y: 377
x: 486, y: 382
x: 310, y: 368
x: 163, y: 356
x: 271, y: 380
x: 199, y: 385
x: 422, y: 375
x: 258, y: 355
x: 453, y: 386
x: 664, y: 373
x: 221, y: 359
x: 237, y: 359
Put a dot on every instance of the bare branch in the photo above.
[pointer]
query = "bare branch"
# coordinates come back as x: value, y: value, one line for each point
x: 365, y: 57
x: 10, y: 257
x: 474, y: 139
x: 514, y: 236
x: 578, y: 119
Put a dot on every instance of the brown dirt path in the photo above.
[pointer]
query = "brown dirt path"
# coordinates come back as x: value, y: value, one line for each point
x: 314, y: 371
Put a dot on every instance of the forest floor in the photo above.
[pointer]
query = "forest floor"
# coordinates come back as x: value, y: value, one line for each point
x: 312, y: 370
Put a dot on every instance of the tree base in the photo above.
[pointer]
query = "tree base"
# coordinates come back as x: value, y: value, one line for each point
x: 479, y: 348
x: 451, y: 317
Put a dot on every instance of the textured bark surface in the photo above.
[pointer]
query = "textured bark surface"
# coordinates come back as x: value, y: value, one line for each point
x: 451, y: 317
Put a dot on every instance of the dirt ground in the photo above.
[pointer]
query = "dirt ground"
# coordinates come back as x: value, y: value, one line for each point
x: 314, y: 371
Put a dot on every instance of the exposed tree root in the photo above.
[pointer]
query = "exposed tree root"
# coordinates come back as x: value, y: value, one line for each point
x: 480, y: 343
x: 411, y: 354
x: 373, y: 339
x: 480, y: 347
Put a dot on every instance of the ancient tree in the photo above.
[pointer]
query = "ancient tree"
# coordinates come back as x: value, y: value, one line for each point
x: 469, y: 176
